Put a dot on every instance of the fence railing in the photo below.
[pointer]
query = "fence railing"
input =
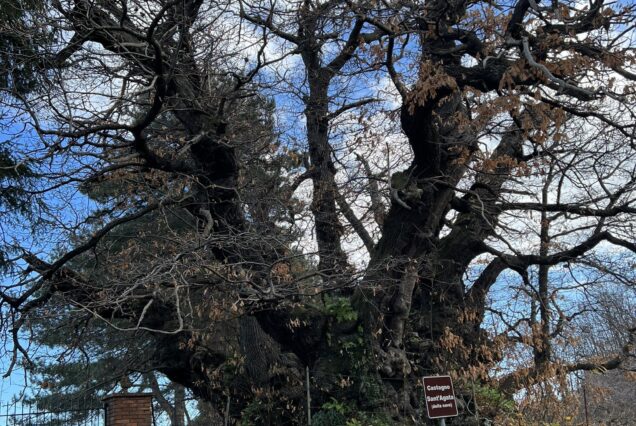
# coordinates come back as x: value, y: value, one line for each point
x: 20, y: 413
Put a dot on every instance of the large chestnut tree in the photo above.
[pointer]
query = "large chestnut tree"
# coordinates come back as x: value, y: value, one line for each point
x: 323, y: 197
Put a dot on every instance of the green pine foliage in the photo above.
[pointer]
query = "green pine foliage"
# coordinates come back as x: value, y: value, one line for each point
x: 19, y: 51
x: 14, y: 199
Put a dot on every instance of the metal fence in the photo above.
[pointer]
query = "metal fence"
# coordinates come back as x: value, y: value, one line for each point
x: 21, y: 413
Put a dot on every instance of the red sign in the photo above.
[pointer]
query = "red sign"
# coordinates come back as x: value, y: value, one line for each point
x: 440, y: 397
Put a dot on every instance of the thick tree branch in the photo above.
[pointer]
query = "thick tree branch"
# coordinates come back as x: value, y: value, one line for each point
x: 357, y: 225
x: 525, y: 377
x: 523, y: 261
x: 348, y: 49
x: 575, y: 209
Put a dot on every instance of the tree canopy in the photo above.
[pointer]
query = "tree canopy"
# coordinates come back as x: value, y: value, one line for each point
x: 316, y: 196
